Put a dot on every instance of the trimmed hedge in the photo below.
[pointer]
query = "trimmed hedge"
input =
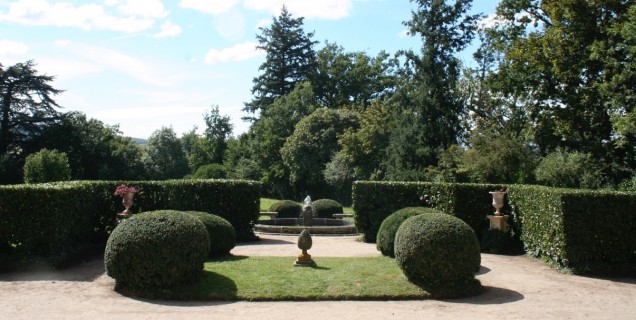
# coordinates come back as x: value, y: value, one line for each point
x: 325, y: 208
x: 439, y: 253
x: 156, y: 249
x: 221, y: 232
x: 373, y: 201
x: 583, y: 231
x: 286, y: 209
x: 386, y: 234
x: 54, y: 221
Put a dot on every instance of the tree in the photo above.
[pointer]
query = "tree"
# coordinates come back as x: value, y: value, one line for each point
x: 567, y: 53
x: 312, y: 145
x: 566, y: 169
x: 46, y: 166
x: 270, y: 132
x: 95, y: 151
x: 290, y: 59
x: 165, y: 158
x: 352, y: 78
x: 27, y: 105
x: 429, y: 107
x: 218, y: 130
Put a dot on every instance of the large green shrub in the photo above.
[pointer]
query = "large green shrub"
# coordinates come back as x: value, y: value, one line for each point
x: 440, y: 253
x: 325, y: 208
x: 386, y: 234
x: 210, y: 171
x: 287, y: 209
x: 221, y: 232
x: 46, y: 166
x: 570, y: 169
x: 157, y: 249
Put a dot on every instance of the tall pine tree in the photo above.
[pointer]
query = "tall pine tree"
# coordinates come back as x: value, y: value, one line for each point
x: 290, y: 59
x: 428, y: 106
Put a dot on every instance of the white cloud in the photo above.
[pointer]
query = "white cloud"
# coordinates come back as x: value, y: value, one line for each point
x: 143, y: 8
x: 214, y: 7
x: 168, y: 30
x: 87, y: 16
x: 239, y: 52
x: 8, y: 47
x: 324, y: 9
x: 231, y: 26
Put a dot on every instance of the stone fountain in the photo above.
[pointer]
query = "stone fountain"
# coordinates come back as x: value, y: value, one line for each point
x: 306, y: 221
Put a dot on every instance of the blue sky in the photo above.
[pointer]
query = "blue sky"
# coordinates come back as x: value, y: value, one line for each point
x: 145, y: 64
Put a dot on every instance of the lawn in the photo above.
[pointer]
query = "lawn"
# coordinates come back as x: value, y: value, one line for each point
x: 276, y: 279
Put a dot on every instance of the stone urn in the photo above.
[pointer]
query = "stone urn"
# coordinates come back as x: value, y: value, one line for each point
x: 498, y: 201
x: 127, y: 202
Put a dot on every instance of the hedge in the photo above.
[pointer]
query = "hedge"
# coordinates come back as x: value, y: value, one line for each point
x: 373, y: 201
x: 583, y: 231
x: 55, y: 220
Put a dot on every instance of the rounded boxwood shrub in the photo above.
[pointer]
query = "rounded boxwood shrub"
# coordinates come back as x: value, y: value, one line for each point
x: 221, y: 232
x: 386, y: 234
x: 157, y: 249
x: 286, y: 209
x: 325, y: 208
x: 439, y: 253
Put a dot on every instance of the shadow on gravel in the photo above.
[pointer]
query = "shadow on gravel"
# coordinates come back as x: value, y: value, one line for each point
x: 491, y: 296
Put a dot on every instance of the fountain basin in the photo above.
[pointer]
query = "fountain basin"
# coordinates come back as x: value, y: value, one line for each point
x: 320, y: 226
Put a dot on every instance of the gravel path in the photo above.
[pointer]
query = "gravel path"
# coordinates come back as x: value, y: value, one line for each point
x: 517, y: 288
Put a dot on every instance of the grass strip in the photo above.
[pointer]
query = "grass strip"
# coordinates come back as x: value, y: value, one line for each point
x: 276, y: 279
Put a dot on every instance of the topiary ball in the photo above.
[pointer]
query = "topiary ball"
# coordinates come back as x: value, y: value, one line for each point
x: 439, y: 253
x: 221, y: 232
x: 386, y: 234
x: 287, y: 209
x: 157, y: 249
x: 325, y: 208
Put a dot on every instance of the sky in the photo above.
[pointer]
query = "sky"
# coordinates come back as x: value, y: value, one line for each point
x: 148, y: 64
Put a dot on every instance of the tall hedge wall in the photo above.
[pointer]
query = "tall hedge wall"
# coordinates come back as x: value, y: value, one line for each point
x: 55, y: 220
x: 583, y: 231
x: 373, y: 201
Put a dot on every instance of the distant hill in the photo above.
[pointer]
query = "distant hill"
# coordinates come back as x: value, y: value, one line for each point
x: 140, y: 140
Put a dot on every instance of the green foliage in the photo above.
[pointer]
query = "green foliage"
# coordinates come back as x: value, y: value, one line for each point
x: 287, y: 209
x: 290, y: 59
x: 221, y: 233
x: 55, y: 221
x: 497, y: 158
x: 210, y: 171
x: 584, y: 231
x: 499, y: 242
x: 311, y: 146
x: 352, y: 78
x: 386, y: 234
x: 46, y: 166
x: 325, y: 208
x: 157, y: 249
x: 440, y: 253
x: 165, y: 157
x: 46, y: 221
x: 570, y: 170
x: 95, y: 151
x: 218, y: 130
x: 374, y: 201
x: 26, y: 105
x: 428, y: 108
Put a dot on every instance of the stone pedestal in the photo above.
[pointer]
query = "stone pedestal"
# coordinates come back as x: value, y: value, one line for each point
x: 304, y: 260
x: 498, y: 222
